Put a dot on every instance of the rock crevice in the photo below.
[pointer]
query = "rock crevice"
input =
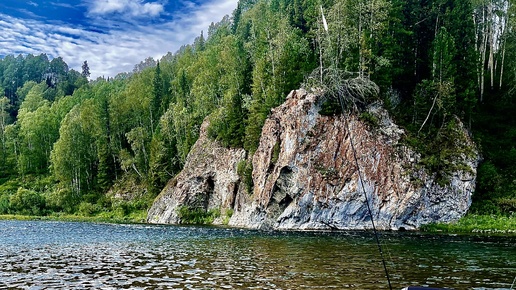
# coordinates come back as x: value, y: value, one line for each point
x: 305, y: 175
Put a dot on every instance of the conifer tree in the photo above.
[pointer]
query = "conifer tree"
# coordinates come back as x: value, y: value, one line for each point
x: 85, y: 69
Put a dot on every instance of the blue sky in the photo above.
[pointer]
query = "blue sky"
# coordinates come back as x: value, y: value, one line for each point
x: 112, y: 35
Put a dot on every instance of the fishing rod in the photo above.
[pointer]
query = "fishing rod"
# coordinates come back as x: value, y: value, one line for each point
x: 352, y: 143
x: 341, y: 102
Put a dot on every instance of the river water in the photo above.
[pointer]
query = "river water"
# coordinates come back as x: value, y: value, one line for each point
x: 60, y: 255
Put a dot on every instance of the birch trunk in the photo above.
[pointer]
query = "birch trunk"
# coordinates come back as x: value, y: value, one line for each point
x: 483, y: 54
x: 491, y: 44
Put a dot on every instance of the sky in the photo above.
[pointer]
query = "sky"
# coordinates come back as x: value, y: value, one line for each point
x: 112, y: 35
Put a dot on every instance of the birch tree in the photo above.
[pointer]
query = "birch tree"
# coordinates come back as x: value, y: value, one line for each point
x: 4, y: 115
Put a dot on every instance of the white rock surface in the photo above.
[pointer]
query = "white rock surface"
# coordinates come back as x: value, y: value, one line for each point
x: 314, y: 183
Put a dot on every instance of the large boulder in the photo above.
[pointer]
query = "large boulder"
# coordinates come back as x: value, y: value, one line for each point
x: 307, y: 176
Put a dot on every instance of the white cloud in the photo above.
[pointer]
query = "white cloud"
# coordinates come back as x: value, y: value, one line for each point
x: 133, y: 8
x: 112, y: 52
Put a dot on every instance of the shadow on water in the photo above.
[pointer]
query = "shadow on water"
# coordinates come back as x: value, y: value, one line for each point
x: 87, y: 255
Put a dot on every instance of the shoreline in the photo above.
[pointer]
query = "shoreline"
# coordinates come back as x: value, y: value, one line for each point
x: 470, y: 224
x: 72, y: 218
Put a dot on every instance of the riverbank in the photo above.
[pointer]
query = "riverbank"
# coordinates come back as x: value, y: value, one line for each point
x: 137, y: 217
x: 469, y: 224
x: 477, y: 224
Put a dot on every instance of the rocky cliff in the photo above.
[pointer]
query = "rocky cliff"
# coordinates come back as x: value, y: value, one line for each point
x: 209, y: 181
x: 306, y: 177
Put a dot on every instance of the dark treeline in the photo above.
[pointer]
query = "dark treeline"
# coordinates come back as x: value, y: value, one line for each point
x: 67, y: 142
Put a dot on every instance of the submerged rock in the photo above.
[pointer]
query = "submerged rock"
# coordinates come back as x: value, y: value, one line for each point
x: 306, y: 177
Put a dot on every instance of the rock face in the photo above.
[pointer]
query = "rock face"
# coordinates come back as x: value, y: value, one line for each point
x: 208, y: 181
x: 306, y: 176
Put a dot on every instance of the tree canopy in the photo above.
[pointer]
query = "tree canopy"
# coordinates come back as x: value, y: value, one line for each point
x: 431, y: 61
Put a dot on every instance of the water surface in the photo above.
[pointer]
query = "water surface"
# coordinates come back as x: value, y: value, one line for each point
x: 49, y: 255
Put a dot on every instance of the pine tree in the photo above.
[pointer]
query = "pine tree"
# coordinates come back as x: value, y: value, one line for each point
x: 85, y: 70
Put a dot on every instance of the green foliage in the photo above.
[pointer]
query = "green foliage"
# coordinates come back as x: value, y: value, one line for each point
x: 253, y: 130
x: 227, y: 125
x: 140, y: 127
x: 472, y: 223
x: 275, y: 152
x: 507, y: 205
x: 443, y: 151
x: 370, y: 119
x: 27, y: 202
x: 245, y: 171
x: 5, y: 204
x: 9, y: 186
x: 330, y: 107
x: 227, y: 216
x: 75, y: 153
x: 87, y: 209
x: 62, y: 200
x: 197, y: 216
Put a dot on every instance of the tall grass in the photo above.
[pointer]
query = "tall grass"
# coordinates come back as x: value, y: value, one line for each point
x: 477, y: 224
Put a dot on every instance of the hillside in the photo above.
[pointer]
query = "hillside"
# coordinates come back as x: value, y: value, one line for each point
x: 109, y: 146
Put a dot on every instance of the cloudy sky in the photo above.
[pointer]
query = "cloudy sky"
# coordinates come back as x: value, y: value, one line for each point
x: 112, y: 35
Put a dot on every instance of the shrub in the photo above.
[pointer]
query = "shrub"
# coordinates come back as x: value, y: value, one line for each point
x: 197, y: 216
x: 487, y: 207
x: 88, y: 209
x: 507, y: 205
x: 62, y: 200
x: 227, y: 216
x: 27, y: 202
x: 245, y: 171
x: 4, y: 204
x: 330, y: 107
x: 369, y: 119
x: 275, y: 153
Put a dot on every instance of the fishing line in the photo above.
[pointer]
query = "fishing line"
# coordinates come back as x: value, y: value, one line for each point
x: 346, y: 121
x: 341, y: 102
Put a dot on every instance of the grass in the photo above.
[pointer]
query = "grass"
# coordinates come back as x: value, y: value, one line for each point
x: 486, y: 224
x: 197, y: 216
x: 135, y: 217
x: 477, y: 224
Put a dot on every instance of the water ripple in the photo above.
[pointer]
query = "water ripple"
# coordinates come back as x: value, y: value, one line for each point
x: 49, y: 255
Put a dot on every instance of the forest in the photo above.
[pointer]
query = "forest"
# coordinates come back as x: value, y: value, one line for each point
x: 108, y: 146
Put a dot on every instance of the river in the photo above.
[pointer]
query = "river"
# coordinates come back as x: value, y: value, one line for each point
x: 50, y: 255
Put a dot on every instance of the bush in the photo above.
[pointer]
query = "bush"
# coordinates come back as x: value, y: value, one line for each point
x: 4, y: 204
x: 369, y: 119
x: 507, y: 205
x: 27, y: 202
x: 10, y: 186
x: 443, y: 151
x: 486, y: 207
x: 62, y: 200
x: 245, y: 171
x: 88, y: 209
x: 330, y: 107
x: 489, y: 180
x: 197, y: 216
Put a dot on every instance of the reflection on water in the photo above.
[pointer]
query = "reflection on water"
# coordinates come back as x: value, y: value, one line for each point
x: 41, y: 255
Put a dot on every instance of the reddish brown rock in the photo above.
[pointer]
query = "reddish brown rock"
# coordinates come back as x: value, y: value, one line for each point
x: 305, y: 175
x: 314, y: 181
